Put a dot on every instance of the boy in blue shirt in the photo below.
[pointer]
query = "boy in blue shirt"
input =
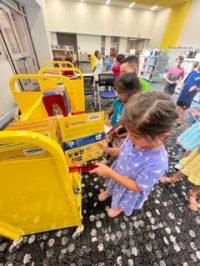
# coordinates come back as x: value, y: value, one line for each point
x: 190, y: 89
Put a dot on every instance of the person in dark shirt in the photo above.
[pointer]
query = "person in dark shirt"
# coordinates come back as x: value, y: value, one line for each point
x: 190, y: 89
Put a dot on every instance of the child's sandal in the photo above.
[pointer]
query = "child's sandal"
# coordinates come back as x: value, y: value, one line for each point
x: 193, y: 204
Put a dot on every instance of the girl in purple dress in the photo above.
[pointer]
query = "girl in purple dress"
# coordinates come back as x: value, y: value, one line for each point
x: 142, y: 159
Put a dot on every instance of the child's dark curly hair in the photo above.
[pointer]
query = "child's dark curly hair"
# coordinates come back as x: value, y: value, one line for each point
x: 150, y: 114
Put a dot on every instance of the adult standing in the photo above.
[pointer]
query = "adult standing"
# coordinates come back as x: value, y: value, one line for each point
x: 190, y: 89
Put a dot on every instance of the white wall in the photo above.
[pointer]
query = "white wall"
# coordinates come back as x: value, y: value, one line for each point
x: 107, y: 45
x: 6, y: 100
x: 190, y: 36
x: 158, y: 28
x: 36, y: 16
x: 88, y: 43
x: 54, y: 39
x: 87, y: 18
x: 122, y: 45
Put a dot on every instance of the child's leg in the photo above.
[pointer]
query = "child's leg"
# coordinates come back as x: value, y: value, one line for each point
x: 193, y: 204
x: 181, y: 114
x: 172, y: 179
x: 103, y: 196
x: 108, y: 192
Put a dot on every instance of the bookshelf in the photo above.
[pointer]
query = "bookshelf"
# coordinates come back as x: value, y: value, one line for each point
x: 152, y: 67
x: 61, y: 51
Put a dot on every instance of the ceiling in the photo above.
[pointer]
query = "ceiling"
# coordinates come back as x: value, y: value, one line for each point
x: 162, y: 3
x: 140, y: 4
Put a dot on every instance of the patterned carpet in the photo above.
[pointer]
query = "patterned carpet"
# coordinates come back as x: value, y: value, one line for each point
x: 164, y: 233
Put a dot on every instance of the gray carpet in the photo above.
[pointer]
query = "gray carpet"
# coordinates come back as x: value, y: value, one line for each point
x: 164, y: 233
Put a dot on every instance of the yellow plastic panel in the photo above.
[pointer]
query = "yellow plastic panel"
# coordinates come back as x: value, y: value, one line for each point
x: 175, y: 25
x: 36, y: 194
x: 79, y: 126
x: 9, y: 231
x: 37, y: 111
x: 26, y: 99
x: 34, y: 104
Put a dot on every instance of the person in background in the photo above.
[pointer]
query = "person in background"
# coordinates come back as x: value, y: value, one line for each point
x: 195, y: 65
x: 99, y: 63
x: 190, y: 88
x: 110, y: 62
x: 126, y: 85
x: 116, y: 65
x: 142, y: 159
x: 174, y: 75
x: 93, y: 60
x: 189, y: 168
x: 131, y: 65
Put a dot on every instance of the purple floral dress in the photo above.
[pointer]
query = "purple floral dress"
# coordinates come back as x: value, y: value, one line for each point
x: 146, y: 167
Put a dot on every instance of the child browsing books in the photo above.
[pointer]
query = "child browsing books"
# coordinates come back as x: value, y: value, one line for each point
x: 142, y: 159
x: 126, y: 86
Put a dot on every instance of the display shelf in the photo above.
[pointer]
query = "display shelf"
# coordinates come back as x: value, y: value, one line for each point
x: 152, y: 67
x: 61, y: 51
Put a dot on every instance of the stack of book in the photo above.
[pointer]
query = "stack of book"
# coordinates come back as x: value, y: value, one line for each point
x: 15, y: 150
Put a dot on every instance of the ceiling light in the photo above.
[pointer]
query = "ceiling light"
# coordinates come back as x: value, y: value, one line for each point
x: 82, y: 0
x: 131, y: 5
x: 107, y: 2
x: 153, y: 8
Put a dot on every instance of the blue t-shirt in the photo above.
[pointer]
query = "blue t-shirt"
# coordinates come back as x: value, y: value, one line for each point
x: 118, y: 107
x: 193, y: 79
x: 109, y: 65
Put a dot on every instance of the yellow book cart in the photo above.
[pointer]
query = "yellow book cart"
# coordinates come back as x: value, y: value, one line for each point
x: 37, y: 192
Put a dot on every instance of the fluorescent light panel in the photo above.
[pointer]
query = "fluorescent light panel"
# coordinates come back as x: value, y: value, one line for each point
x: 131, y: 5
x: 153, y: 8
x: 107, y: 2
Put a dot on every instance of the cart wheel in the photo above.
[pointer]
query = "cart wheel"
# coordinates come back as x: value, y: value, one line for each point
x: 16, y: 244
x: 78, y: 232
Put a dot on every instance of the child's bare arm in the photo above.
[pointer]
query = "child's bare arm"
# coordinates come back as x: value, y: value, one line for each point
x: 105, y: 171
x: 109, y: 112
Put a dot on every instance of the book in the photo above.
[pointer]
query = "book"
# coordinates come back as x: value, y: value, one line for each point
x: 62, y: 92
x: 54, y: 105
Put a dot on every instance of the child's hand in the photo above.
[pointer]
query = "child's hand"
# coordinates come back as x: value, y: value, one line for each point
x: 104, y: 145
x: 103, y: 170
x: 107, y: 123
x: 193, y: 88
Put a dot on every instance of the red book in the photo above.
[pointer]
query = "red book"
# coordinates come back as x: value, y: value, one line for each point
x: 54, y: 105
x: 83, y: 168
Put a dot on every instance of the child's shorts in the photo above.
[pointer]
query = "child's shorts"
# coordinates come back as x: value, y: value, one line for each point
x: 183, y: 104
